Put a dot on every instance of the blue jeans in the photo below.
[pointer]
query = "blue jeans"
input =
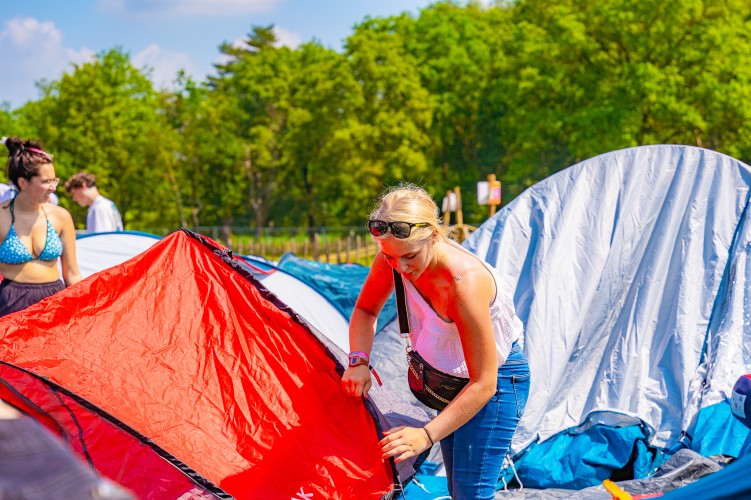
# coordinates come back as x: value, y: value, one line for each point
x: 473, y: 454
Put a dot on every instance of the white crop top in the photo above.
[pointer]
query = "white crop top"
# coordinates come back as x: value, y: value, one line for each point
x: 438, y: 341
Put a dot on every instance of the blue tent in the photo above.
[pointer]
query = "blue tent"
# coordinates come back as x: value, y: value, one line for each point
x: 340, y: 283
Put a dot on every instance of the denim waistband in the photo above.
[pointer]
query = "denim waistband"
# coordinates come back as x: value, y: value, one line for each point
x: 516, y: 356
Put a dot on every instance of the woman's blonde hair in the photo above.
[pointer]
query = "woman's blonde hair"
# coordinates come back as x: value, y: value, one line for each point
x: 409, y: 203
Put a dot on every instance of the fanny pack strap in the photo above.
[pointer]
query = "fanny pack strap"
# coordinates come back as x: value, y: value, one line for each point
x: 401, y: 304
x: 405, y: 328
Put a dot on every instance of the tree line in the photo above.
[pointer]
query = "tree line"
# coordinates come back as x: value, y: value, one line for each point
x: 307, y: 137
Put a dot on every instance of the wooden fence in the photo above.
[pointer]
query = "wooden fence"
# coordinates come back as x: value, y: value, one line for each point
x: 353, y: 248
x: 332, y: 245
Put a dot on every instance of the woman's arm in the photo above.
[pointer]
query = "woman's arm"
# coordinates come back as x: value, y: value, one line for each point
x: 469, y: 307
x: 71, y: 274
x: 375, y: 292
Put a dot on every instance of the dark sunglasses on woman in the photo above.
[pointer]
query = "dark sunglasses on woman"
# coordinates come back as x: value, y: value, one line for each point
x: 399, y: 230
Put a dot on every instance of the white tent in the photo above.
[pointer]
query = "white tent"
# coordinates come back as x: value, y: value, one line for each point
x: 98, y: 251
x: 631, y: 276
x: 303, y: 299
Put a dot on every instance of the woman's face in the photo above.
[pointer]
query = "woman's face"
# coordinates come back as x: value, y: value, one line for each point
x: 408, y: 258
x: 42, y: 185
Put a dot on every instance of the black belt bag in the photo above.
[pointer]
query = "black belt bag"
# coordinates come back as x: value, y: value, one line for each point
x: 433, y: 388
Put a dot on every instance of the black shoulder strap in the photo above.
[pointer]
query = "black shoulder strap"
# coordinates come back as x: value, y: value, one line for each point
x: 401, y: 303
x: 12, y: 215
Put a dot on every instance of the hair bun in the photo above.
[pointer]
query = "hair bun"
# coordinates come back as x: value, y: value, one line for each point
x: 14, y: 145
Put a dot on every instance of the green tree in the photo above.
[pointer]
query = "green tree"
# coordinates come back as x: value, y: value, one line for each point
x: 594, y: 77
x: 308, y: 136
x: 13, y: 124
x: 256, y: 79
x: 104, y: 118
x: 291, y: 103
x: 322, y: 101
x: 391, y: 137
x: 209, y: 155
x: 460, y: 52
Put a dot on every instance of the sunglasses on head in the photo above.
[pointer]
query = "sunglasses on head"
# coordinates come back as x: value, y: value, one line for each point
x: 400, y: 230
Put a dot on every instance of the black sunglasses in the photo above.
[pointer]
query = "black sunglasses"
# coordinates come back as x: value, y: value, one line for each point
x: 400, y: 230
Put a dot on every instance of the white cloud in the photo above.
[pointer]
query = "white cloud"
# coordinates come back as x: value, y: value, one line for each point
x: 163, y: 64
x: 284, y: 38
x: 23, y: 33
x: 287, y: 38
x: 188, y: 7
x: 31, y: 50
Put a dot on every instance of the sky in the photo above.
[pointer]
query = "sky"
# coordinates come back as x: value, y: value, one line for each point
x: 42, y: 39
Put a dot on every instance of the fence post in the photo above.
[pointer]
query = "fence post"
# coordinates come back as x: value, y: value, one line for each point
x: 349, y: 245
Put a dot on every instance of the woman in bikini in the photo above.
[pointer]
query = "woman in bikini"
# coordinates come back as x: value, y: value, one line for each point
x: 463, y: 324
x: 34, y: 232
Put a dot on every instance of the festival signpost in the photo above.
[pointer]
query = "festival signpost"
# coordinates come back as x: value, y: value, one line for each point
x: 489, y: 193
x: 452, y: 202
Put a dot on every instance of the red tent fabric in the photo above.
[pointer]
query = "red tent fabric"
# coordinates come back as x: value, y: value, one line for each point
x: 177, y: 372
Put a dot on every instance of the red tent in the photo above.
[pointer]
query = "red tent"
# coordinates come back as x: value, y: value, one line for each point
x: 178, y: 372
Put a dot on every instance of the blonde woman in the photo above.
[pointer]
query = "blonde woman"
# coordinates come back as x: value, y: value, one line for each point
x: 463, y: 325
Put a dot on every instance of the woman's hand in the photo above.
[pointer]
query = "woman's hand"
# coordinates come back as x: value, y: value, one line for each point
x: 404, y: 442
x: 356, y: 381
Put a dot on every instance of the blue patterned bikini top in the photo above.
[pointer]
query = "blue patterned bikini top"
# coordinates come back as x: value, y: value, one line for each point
x: 12, y: 251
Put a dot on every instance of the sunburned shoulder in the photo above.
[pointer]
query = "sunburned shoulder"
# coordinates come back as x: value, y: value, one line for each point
x: 467, y: 274
x: 473, y: 277
x: 470, y: 287
x: 460, y: 262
